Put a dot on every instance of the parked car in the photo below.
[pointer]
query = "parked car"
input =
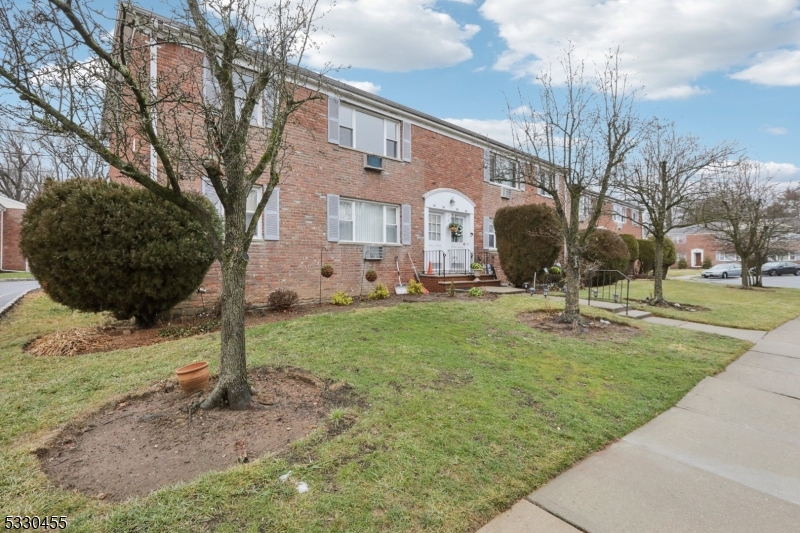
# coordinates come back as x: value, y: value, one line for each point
x: 723, y: 270
x: 776, y: 268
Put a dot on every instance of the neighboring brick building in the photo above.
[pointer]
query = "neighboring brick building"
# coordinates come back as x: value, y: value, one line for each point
x: 695, y: 244
x: 335, y: 204
x: 11, y: 212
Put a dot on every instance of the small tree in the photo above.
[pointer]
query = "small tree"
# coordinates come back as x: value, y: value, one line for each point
x: 527, y: 240
x: 584, y: 129
x: 97, y: 246
x: 633, y: 251
x: 647, y: 254
x: 663, y: 175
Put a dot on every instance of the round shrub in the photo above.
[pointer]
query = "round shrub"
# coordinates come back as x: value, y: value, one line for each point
x: 282, y: 299
x: 371, y: 275
x: 682, y: 264
x: 326, y: 271
x: 605, y: 250
x: 633, y: 250
x: 647, y: 256
x: 97, y: 246
x: 527, y: 240
x: 707, y: 263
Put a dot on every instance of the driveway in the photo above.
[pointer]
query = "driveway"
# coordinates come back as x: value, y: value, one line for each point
x: 10, y: 290
x: 785, y: 281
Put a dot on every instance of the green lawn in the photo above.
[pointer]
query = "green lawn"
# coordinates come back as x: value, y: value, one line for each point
x: 426, y: 453
x: 674, y: 273
x: 729, y: 305
x: 15, y: 275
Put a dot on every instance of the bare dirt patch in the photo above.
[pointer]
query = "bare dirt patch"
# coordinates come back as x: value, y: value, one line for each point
x: 144, y: 442
x: 607, y: 330
x: 691, y: 308
x: 122, y: 335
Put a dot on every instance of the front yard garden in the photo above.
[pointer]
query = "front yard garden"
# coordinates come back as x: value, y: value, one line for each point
x: 464, y: 409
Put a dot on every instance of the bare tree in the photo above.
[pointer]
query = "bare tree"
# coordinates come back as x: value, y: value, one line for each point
x: 160, y: 129
x: 743, y: 208
x: 585, y: 129
x: 22, y: 172
x: 664, y: 176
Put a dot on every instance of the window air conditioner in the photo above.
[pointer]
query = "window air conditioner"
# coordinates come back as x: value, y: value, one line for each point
x: 505, y: 192
x: 373, y: 162
x: 373, y: 253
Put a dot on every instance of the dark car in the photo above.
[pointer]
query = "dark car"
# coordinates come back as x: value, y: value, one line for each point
x: 776, y: 268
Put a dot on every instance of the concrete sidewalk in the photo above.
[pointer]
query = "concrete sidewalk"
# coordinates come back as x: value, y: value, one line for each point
x: 726, y: 458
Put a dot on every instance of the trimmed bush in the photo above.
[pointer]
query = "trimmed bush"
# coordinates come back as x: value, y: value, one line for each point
x: 682, y: 264
x: 707, y: 263
x: 647, y: 256
x: 605, y: 250
x: 282, y: 299
x: 527, y: 240
x: 341, y: 298
x: 633, y: 251
x: 96, y: 246
x: 670, y: 255
x: 381, y: 292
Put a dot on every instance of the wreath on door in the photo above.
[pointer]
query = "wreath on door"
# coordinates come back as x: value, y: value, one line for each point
x: 456, y: 229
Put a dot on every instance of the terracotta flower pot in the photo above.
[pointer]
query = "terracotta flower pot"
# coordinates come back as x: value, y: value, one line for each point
x: 193, y: 377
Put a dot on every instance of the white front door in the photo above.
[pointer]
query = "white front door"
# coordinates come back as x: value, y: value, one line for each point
x: 459, y: 245
x: 447, y: 250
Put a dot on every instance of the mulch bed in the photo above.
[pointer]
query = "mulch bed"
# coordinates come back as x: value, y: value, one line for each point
x: 147, y: 441
x: 123, y: 335
x: 607, y: 330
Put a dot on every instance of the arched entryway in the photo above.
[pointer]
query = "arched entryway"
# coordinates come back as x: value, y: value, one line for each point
x: 446, y: 250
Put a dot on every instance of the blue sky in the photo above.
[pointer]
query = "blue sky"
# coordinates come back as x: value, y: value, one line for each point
x: 722, y: 70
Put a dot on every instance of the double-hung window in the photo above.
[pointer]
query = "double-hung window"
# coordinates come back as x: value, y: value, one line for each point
x: 504, y: 171
x: 491, y: 241
x: 635, y: 217
x: 250, y: 210
x: 586, y: 204
x: 727, y: 256
x: 677, y: 239
x: 242, y: 81
x: 368, y: 222
x: 369, y: 133
x: 618, y: 214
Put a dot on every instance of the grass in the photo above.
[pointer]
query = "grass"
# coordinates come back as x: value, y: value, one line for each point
x: 466, y: 411
x: 16, y: 275
x: 729, y: 305
x: 675, y: 272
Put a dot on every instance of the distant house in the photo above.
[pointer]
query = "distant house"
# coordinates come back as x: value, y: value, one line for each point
x: 11, y: 212
x: 695, y: 244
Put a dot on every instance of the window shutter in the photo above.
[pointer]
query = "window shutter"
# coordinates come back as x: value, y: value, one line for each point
x: 268, y: 107
x: 486, y: 222
x: 333, y: 126
x: 406, y: 214
x: 210, y: 86
x: 487, y: 165
x: 272, y: 216
x: 522, y: 174
x: 209, y: 192
x: 406, y: 141
x: 333, y: 218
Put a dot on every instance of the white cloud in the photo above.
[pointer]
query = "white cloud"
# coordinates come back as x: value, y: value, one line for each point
x: 499, y: 130
x: 363, y: 85
x: 665, y: 44
x: 778, y: 67
x: 391, y: 36
x: 782, y: 172
x: 776, y: 130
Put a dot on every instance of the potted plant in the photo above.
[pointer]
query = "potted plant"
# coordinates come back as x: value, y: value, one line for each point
x: 193, y: 377
x: 371, y: 275
x: 326, y: 271
x: 477, y: 269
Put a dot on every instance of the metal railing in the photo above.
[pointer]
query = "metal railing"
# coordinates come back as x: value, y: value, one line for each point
x: 607, y: 285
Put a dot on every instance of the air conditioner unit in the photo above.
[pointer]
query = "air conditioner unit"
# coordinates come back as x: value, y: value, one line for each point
x: 373, y: 253
x: 373, y: 162
x: 505, y: 192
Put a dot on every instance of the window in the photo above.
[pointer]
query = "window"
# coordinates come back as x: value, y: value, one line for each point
x: 586, y: 207
x: 456, y: 237
x: 368, y: 133
x: 368, y: 222
x: 491, y: 242
x: 434, y: 227
x: 504, y: 171
x: 250, y: 210
x: 242, y: 80
x: 635, y: 217
x: 791, y: 256
x: 618, y: 214
x: 726, y: 256
x: 677, y: 239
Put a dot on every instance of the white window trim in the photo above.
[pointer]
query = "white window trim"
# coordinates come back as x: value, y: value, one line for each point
x: 493, y: 233
x: 724, y: 257
x: 259, y: 234
x: 258, y: 119
x: 386, y: 122
x: 397, y: 223
x: 618, y: 213
x: 677, y: 239
x: 517, y: 186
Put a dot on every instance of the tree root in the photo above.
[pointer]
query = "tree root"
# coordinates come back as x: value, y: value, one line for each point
x: 576, y: 321
x: 220, y: 397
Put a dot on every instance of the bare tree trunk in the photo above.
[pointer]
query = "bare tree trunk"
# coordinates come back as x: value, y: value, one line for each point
x: 572, y: 313
x: 232, y: 388
x: 658, y: 270
x: 745, y: 274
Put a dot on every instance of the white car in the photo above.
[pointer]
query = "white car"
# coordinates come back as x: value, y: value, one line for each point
x: 723, y: 270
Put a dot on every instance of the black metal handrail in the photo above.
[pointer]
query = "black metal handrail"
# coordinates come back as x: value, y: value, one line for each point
x: 602, y: 282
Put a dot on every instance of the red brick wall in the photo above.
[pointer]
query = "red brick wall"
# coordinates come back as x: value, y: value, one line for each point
x: 705, y: 242
x: 12, y: 256
x: 318, y: 168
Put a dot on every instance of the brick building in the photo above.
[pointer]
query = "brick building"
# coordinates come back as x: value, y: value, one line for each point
x: 11, y: 212
x: 696, y: 244
x: 372, y: 184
